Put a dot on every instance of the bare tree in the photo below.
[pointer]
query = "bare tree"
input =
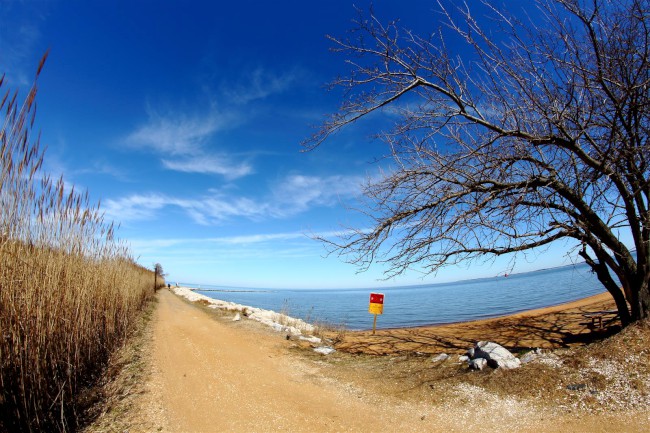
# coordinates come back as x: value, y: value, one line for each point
x: 158, y: 272
x: 532, y: 132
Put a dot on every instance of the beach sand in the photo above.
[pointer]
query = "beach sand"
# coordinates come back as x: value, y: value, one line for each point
x: 551, y: 327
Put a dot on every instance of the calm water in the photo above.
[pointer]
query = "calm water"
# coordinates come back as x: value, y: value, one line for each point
x: 427, y: 304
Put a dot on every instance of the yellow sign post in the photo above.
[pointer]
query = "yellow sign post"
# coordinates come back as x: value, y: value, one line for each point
x: 376, y: 307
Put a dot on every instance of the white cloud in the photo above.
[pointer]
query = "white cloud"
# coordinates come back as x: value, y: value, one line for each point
x: 224, y: 240
x: 184, y: 143
x: 204, y: 211
x: 177, y: 134
x: 258, y: 84
x: 284, y: 246
x: 209, y: 164
x: 214, y: 210
x: 297, y: 194
x: 19, y: 43
x: 134, y: 207
x: 193, y: 256
x: 258, y: 238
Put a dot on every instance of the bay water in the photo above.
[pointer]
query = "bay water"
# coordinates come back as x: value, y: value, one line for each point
x: 410, y: 306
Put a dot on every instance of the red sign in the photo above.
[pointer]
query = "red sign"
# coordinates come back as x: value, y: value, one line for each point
x: 376, y: 298
x: 376, y: 304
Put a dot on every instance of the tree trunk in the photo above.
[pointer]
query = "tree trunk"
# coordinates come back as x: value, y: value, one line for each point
x: 602, y: 272
x: 644, y: 300
x: 621, y: 305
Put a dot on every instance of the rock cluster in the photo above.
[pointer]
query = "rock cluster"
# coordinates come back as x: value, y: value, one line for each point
x: 487, y: 353
x: 531, y: 356
x: 325, y: 350
x: 441, y: 357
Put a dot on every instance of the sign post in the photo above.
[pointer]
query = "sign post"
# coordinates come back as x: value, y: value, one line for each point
x: 376, y: 307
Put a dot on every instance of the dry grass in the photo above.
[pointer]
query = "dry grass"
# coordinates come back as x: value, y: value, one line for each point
x: 121, y: 397
x: 608, y: 376
x: 69, y: 291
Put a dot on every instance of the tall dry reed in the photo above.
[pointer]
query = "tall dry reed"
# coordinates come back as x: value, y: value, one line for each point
x: 69, y: 291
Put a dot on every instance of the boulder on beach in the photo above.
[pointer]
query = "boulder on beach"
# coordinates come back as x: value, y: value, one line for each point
x: 311, y: 339
x: 324, y: 350
x: 440, y: 357
x: 478, y: 363
x: 531, y: 356
x: 496, y: 355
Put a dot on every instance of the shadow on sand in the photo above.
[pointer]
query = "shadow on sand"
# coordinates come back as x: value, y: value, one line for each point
x: 517, y: 333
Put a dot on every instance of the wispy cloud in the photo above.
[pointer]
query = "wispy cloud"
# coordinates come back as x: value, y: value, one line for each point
x: 204, y: 211
x: 18, y: 56
x: 189, y: 253
x: 285, y: 245
x: 178, y: 133
x: 296, y: 194
x: 134, y: 207
x: 185, y: 142
x: 209, y: 164
x: 188, y: 142
x: 258, y: 84
x: 224, y: 240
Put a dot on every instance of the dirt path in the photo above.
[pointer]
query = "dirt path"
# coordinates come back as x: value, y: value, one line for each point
x: 212, y: 374
x: 215, y: 376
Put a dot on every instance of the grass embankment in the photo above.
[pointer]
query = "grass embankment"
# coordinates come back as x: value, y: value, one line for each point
x: 69, y: 291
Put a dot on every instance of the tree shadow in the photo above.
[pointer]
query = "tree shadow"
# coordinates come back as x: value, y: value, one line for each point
x: 559, y: 329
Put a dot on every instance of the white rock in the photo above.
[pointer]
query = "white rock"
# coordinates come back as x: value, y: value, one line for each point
x: 311, y: 339
x: 440, y: 357
x: 292, y: 330
x: 237, y: 318
x: 265, y: 317
x: 531, y: 356
x: 509, y: 364
x: 324, y: 350
x: 463, y: 358
x: 496, y: 355
x: 478, y: 363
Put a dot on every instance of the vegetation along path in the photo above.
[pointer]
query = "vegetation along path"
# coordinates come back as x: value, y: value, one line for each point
x: 209, y: 373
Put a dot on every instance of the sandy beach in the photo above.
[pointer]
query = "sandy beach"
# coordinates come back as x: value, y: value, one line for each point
x: 203, y: 371
x: 551, y: 327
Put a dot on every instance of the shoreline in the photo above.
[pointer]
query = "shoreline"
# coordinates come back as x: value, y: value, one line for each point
x: 555, y: 326
x: 578, y: 303
x: 558, y: 326
x: 422, y: 323
x: 278, y: 321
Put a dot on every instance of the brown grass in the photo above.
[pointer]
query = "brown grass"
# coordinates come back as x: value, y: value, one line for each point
x: 606, y: 376
x: 121, y: 397
x: 69, y: 291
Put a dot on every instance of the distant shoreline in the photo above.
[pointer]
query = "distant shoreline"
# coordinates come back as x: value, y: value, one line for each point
x: 229, y: 291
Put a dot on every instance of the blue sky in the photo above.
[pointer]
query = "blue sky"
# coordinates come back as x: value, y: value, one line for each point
x: 185, y: 120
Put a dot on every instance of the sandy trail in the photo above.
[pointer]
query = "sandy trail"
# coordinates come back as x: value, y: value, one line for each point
x: 215, y: 376
x: 210, y: 374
